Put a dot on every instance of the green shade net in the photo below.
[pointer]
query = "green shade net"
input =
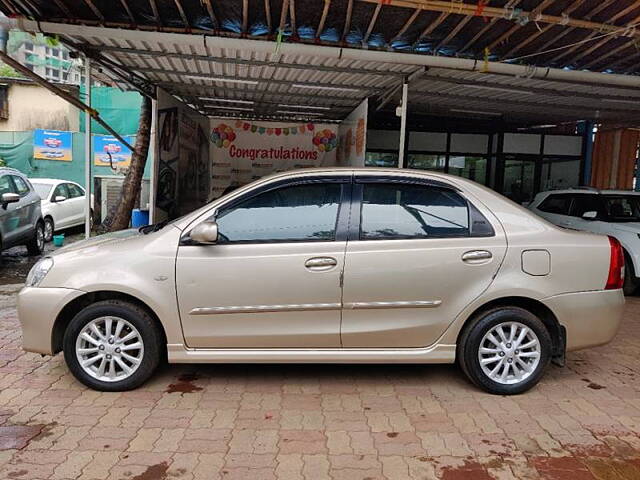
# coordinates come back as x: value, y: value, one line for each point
x: 121, y: 110
x: 16, y: 150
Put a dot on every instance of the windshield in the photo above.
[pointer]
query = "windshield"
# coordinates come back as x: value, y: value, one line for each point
x: 42, y: 189
x: 622, y: 208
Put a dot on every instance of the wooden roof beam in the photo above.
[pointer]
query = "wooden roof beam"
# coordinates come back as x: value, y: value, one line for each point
x: 347, y: 20
x: 514, y: 28
x: 407, y: 24
x: 95, y: 10
x: 432, y: 26
x: 372, y: 23
x: 610, y: 21
x: 568, y: 11
x: 156, y: 13
x: 267, y: 14
x: 127, y: 9
x: 610, y: 53
x: 63, y: 8
x: 323, y: 18
x: 486, y: 28
x: 212, y: 15
x: 183, y: 15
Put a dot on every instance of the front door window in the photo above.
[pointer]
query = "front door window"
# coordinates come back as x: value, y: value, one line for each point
x: 291, y: 214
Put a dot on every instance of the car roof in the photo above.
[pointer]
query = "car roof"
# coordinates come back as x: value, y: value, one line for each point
x: 593, y: 191
x: 49, y: 181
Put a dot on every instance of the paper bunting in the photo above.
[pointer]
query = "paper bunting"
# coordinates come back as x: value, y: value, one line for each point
x: 261, y: 130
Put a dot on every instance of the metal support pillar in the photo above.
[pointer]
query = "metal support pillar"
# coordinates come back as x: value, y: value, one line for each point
x: 403, y: 124
x: 87, y: 149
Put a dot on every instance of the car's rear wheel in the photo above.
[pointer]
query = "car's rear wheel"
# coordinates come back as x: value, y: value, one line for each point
x: 505, y: 350
x: 35, y: 246
x: 630, y: 281
x: 112, y: 345
x: 48, y: 229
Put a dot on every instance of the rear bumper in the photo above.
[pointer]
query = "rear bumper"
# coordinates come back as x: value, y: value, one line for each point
x: 38, y: 309
x: 591, y: 318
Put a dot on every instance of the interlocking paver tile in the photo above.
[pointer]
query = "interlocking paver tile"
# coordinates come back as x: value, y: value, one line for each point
x: 315, y: 422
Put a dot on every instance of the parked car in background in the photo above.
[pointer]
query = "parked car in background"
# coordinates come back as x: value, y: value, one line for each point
x: 20, y: 218
x: 63, y: 204
x: 335, y: 266
x: 608, y: 212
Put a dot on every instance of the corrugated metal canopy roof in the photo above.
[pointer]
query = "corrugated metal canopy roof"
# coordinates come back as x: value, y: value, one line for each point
x: 232, y: 78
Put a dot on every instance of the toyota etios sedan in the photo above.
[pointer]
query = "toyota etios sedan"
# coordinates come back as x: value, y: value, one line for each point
x: 334, y: 266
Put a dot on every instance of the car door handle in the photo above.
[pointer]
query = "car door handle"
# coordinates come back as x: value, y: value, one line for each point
x: 318, y: 264
x: 476, y: 256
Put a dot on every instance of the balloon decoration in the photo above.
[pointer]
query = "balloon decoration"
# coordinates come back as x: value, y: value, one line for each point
x: 223, y: 135
x: 325, y: 140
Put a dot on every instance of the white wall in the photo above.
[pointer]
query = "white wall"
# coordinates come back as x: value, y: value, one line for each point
x: 383, y: 139
x: 433, y: 141
x: 521, y: 143
x: 469, y: 143
x: 562, y: 145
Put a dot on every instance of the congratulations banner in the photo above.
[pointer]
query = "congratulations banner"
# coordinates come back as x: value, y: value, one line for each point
x: 52, y: 145
x: 245, y: 151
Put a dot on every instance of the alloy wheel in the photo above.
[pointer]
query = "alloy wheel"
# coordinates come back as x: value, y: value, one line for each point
x: 509, y: 353
x: 109, y: 349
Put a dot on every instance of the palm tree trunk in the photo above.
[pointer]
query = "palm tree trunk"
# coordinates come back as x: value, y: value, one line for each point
x: 118, y: 218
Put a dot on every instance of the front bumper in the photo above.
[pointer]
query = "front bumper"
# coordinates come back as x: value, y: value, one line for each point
x: 38, y: 309
x: 591, y: 318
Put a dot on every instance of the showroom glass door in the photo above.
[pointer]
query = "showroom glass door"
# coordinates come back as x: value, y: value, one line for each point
x: 519, y: 178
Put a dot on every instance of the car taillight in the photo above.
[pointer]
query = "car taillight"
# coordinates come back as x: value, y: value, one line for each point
x: 615, y: 279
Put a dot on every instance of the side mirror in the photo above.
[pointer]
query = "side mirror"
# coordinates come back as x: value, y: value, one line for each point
x: 590, y: 215
x: 8, y: 198
x: 205, y: 234
x: 59, y: 198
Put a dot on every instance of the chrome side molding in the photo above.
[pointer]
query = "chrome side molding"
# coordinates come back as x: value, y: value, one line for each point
x: 265, y: 308
x: 403, y: 304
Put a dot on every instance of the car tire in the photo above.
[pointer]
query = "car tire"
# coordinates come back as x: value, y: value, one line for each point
x: 122, y: 319
x: 630, y: 281
x: 35, y: 246
x: 48, y: 229
x: 524, y: 362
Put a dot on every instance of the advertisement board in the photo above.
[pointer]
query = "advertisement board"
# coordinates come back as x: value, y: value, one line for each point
x: 52, y: 145
x: 108, y: 151
x: 352, y: 137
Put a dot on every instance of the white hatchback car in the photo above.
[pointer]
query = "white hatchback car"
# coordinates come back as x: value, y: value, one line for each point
x: 608, y: 212
x: 62, y: 204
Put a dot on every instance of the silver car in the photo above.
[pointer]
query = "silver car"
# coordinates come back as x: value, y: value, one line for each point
x: 335, y: 266
x: 20, y: 217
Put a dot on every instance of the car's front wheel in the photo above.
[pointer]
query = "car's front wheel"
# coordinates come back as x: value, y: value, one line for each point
x: 505, y: 350
x: 36, y: 244
x: 48, y: 229
x: 112, y: 345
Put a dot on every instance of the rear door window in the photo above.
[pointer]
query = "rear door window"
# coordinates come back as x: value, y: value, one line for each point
x: 74, y: 190
x: 556, y: 203
x: 583, y: 203
x: 408, y: 211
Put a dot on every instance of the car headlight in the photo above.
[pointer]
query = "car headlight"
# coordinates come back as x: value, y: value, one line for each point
x: 38, y: 272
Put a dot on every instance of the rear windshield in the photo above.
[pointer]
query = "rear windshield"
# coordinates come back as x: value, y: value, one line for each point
x: 42, y: 189
x: 622, y: 208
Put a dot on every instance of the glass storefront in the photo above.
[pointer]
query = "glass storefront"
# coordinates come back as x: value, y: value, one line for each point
x: 518, y: 182
x: 516, y: 165
x: 471, y: 167
x: 426, y: 161
x: 381, y: 159
x: 558, y: 173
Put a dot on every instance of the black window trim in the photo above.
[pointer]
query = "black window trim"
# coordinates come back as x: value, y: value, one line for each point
x: 356, y: 206
x: 342, y: 218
